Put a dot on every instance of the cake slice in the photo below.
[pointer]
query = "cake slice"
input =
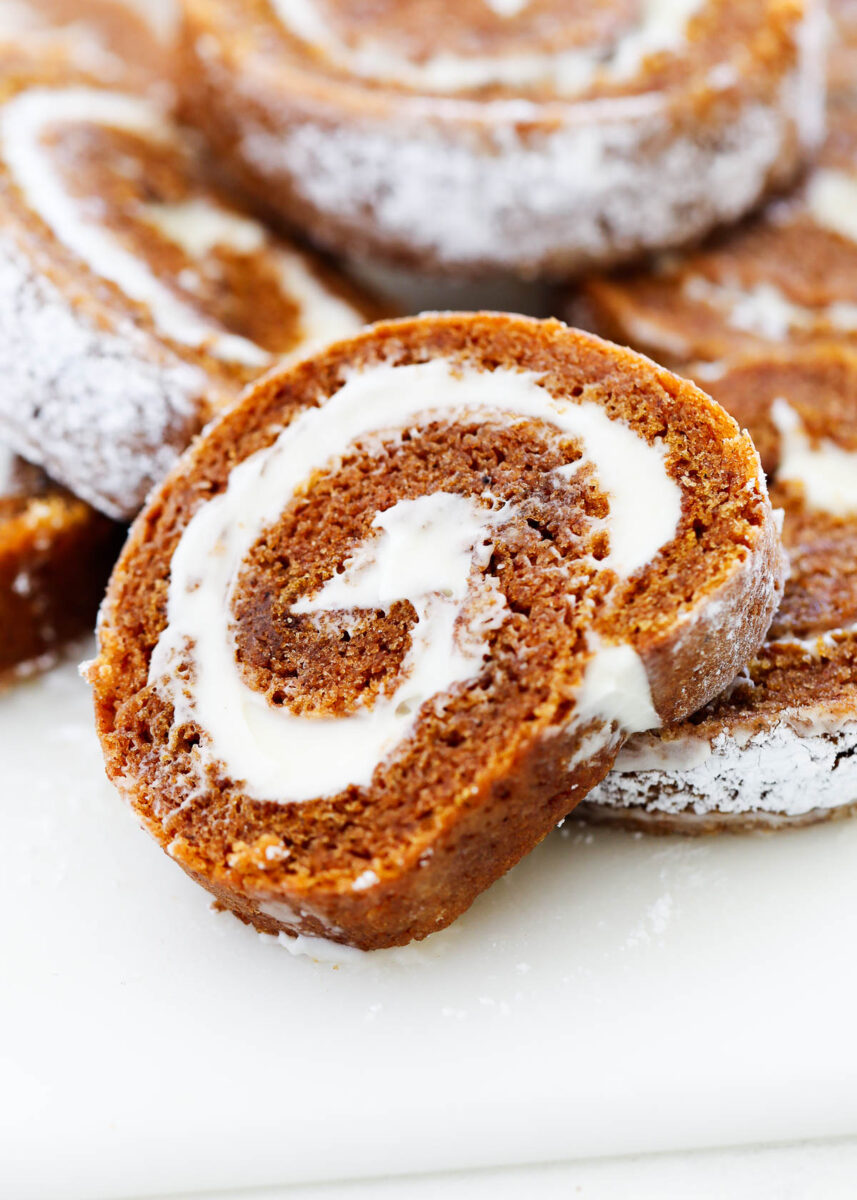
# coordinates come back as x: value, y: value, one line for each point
x: 55, y: 557
x: 392, y: 617
x: 136, y: 299
x: 537, y: 138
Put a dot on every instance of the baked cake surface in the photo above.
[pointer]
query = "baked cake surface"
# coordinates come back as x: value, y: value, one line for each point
x: 393, y: 615
x: 538, y: 138
x: 55, y: 558
x: 130, y: 287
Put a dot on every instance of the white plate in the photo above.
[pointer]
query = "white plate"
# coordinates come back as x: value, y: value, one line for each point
x: 612, y: 994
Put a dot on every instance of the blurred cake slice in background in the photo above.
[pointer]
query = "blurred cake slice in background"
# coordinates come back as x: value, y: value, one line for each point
x: 137, y: 299
x: 55, y: 557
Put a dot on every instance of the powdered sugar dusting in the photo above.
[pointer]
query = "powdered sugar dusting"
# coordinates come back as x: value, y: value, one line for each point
x: 581, y: 194
x: 795, y: 767
x: 102, y: 410
x: 601, y: 181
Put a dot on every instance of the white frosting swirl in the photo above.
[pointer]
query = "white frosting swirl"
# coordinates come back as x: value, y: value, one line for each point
x: 429, y: 551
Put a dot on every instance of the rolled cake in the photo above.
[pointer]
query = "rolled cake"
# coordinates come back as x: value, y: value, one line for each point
x: 55, y: 557
x: 779, y: 746
x: 135, y: 299
x: 392, y: 616
x: 535, y: 137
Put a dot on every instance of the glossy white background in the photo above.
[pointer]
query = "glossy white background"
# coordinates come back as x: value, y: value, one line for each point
x: 613, y: 995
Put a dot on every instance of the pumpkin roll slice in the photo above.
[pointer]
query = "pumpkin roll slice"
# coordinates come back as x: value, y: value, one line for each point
x: 393, y: 615
x: 55, y: 558
x: 779, y: 746
x: 539, y: 137
x: 135, y: 300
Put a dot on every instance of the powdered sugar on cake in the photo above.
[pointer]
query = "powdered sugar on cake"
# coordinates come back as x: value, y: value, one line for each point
x: 803, y: 763
x: 58, y: 368
x: 533, y: 187
x: 595, y: 181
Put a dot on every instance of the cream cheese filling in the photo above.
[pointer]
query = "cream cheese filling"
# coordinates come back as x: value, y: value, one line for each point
x: 430, y: 551
x: 826, y: 472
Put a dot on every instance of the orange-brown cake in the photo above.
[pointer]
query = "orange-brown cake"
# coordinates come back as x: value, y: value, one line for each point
x: 533, y: 136
x: 55, y: 557
x: 779, y: 746
x: 135, y: 300
x: 392, y: 616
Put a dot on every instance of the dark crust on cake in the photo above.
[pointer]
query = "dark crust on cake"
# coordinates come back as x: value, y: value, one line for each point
x: 433, y: 857
x: 56, y: 554
x: 241, y: 70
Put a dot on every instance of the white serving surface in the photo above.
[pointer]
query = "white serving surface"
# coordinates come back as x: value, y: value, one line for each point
x: 612, y: 995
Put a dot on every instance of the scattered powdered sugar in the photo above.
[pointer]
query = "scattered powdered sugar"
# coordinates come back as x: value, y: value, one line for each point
x: 655, y: 923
